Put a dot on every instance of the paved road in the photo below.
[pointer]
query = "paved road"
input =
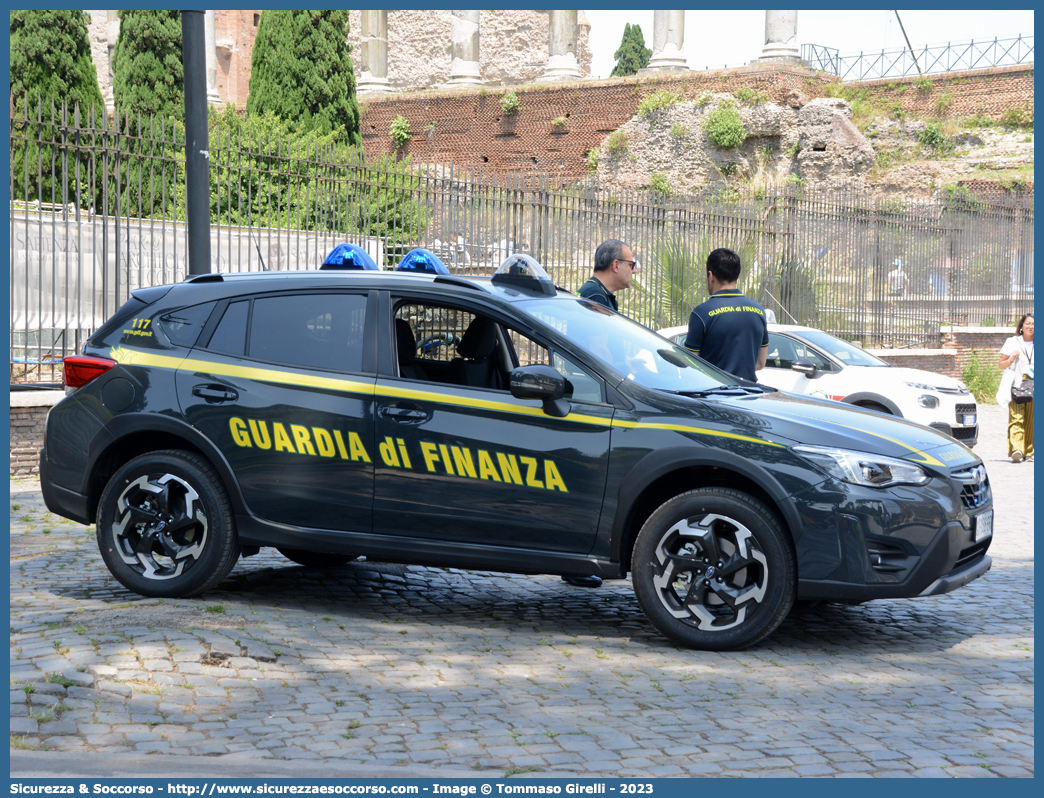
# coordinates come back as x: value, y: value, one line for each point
x: 388, y: 668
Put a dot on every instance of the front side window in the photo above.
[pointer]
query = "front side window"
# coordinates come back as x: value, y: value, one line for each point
x: 631, y: 350
x: 322, y: 331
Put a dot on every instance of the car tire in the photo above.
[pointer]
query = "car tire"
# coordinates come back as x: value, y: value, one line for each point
x: 686, y: 541
x: 165, y: 525
x: 317, y: 559
x: 877, y: 408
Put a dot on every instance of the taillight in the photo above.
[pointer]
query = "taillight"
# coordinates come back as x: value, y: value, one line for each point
x: 81, y: 369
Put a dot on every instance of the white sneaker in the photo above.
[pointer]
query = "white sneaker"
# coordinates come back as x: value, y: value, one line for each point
x: 1016, y: 457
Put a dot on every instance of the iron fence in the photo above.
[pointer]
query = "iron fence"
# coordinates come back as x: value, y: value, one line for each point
x: 97, y: 211
x: 930, y: 59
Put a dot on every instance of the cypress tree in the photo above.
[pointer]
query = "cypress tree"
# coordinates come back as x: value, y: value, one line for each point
x: 51, y: 60
x: 301, y: 70
x: 50, y: 65
x: 148, y: 78
x: 632, y: 54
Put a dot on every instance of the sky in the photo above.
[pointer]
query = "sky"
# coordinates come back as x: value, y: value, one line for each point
x: 733, y: 38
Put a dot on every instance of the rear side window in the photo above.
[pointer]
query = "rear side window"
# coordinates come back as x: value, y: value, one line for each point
x: 230, y: 335
x: 324, y: 331
x: 183, y: 326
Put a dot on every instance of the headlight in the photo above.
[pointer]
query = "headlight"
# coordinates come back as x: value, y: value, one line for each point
x: 860, y: 468
x: 928, y: 401
x: 920, y: 386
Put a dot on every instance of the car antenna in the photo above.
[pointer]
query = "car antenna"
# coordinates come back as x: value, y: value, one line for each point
x: 258, y: 248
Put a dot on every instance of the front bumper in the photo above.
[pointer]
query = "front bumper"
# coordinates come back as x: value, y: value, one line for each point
x: 897, y: 543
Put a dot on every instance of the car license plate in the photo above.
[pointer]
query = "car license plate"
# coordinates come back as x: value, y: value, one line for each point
x: 969, y: 420
x: 984, y: 526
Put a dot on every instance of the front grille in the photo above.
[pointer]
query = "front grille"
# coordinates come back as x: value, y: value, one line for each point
x: 963, y: 433
x: 962, y: 410
x: 973, y: 552
x: 975, y: 486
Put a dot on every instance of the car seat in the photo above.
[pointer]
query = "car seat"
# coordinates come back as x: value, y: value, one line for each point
x: 476, y: 366
x: 406, y: 345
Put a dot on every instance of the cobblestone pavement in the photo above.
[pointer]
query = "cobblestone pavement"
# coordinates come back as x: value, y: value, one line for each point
x: 385, y: 665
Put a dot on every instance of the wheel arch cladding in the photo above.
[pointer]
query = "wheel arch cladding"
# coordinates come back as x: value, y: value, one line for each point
x: 136, y: 435
x: 666, y: 473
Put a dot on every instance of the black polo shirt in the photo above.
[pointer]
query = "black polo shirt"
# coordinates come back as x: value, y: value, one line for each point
x: 596, y: 292
x: 728, y: 330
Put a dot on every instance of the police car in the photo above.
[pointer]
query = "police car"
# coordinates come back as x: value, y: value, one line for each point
x: 810, y: 361
x: 490, y: 423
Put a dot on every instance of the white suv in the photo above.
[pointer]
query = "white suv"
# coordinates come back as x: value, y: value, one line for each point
x: 809, y: 361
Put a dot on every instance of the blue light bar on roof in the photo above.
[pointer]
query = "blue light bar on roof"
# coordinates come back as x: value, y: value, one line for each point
x: 349, y: 256
x: 422, y: 260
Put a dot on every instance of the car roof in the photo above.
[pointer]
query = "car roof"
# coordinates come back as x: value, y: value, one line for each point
x: 328, y: 278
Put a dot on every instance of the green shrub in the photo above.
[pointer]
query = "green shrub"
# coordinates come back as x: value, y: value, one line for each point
x: 703, y: 99
x: 659, y: 183
x: 559, y: 122
x: 399, y: 130
x: 658, y: 100
x: 745, y: 94
x: 1019, y: 117
x: 932, y: 137
x: 923, y: 85
x: 793, y: 150
x: 896, y: 111
x: 509, y: 104
x: 943, y: 103
x: 982, y: 376
x: 724, y: 126
x: 679, y: 131
x: 616, y: 144
x: 592, y: 159
x: 729, y: 168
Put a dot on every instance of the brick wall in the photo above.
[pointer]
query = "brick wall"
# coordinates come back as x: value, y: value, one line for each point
x: 471, y: 130
x: 28, y: 423
x: 969, y: 341
x: 937, y: 361
x: 234, y: 34
x: 983, y: 91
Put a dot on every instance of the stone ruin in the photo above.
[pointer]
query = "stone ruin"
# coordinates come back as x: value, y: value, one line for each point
x: 813, y: 142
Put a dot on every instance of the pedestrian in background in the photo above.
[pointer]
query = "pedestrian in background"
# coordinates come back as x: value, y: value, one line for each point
x: 614, y: 268
x: 728, y: 330
x: 898, y: 281
x: 1016, y: 359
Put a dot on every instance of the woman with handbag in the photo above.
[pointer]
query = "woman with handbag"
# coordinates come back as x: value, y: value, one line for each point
x: 1016, y: 389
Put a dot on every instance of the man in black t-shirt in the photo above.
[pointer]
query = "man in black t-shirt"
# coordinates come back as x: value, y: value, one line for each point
x: 613, y: 269
x: 728, y: 330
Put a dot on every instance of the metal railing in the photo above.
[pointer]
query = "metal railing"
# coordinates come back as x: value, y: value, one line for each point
x: 931, y: 59
x: 97, y: 212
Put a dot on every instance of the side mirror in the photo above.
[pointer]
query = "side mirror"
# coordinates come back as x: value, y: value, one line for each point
x: 805, y: 367
x: 543, y: 383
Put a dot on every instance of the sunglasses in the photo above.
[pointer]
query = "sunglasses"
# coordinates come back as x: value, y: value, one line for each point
x: 632, y: 263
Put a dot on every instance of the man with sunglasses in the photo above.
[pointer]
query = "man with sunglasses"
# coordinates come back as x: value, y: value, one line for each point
x: 614, y: 267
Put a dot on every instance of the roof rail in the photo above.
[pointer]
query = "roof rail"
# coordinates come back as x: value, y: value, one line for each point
x: 458, y: 281
x: 205, y: 278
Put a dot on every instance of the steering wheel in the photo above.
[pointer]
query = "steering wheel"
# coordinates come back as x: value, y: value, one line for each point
x: 435, y: 340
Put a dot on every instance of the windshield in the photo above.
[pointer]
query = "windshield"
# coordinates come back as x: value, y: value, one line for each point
x: 633, y: 351
x: 847, y: 353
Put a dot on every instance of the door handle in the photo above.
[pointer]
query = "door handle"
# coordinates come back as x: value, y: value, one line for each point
x: 215, y: 394
x: 403, y: 414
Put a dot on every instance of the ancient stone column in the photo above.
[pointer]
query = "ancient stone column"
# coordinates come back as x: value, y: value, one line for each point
x: 562, y: 63
x: 781, y: 38
x: 464, y: 36
x: 373, y: 53
x: 668, y: 41
x: 112, y: 32
x: 209, y: 41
